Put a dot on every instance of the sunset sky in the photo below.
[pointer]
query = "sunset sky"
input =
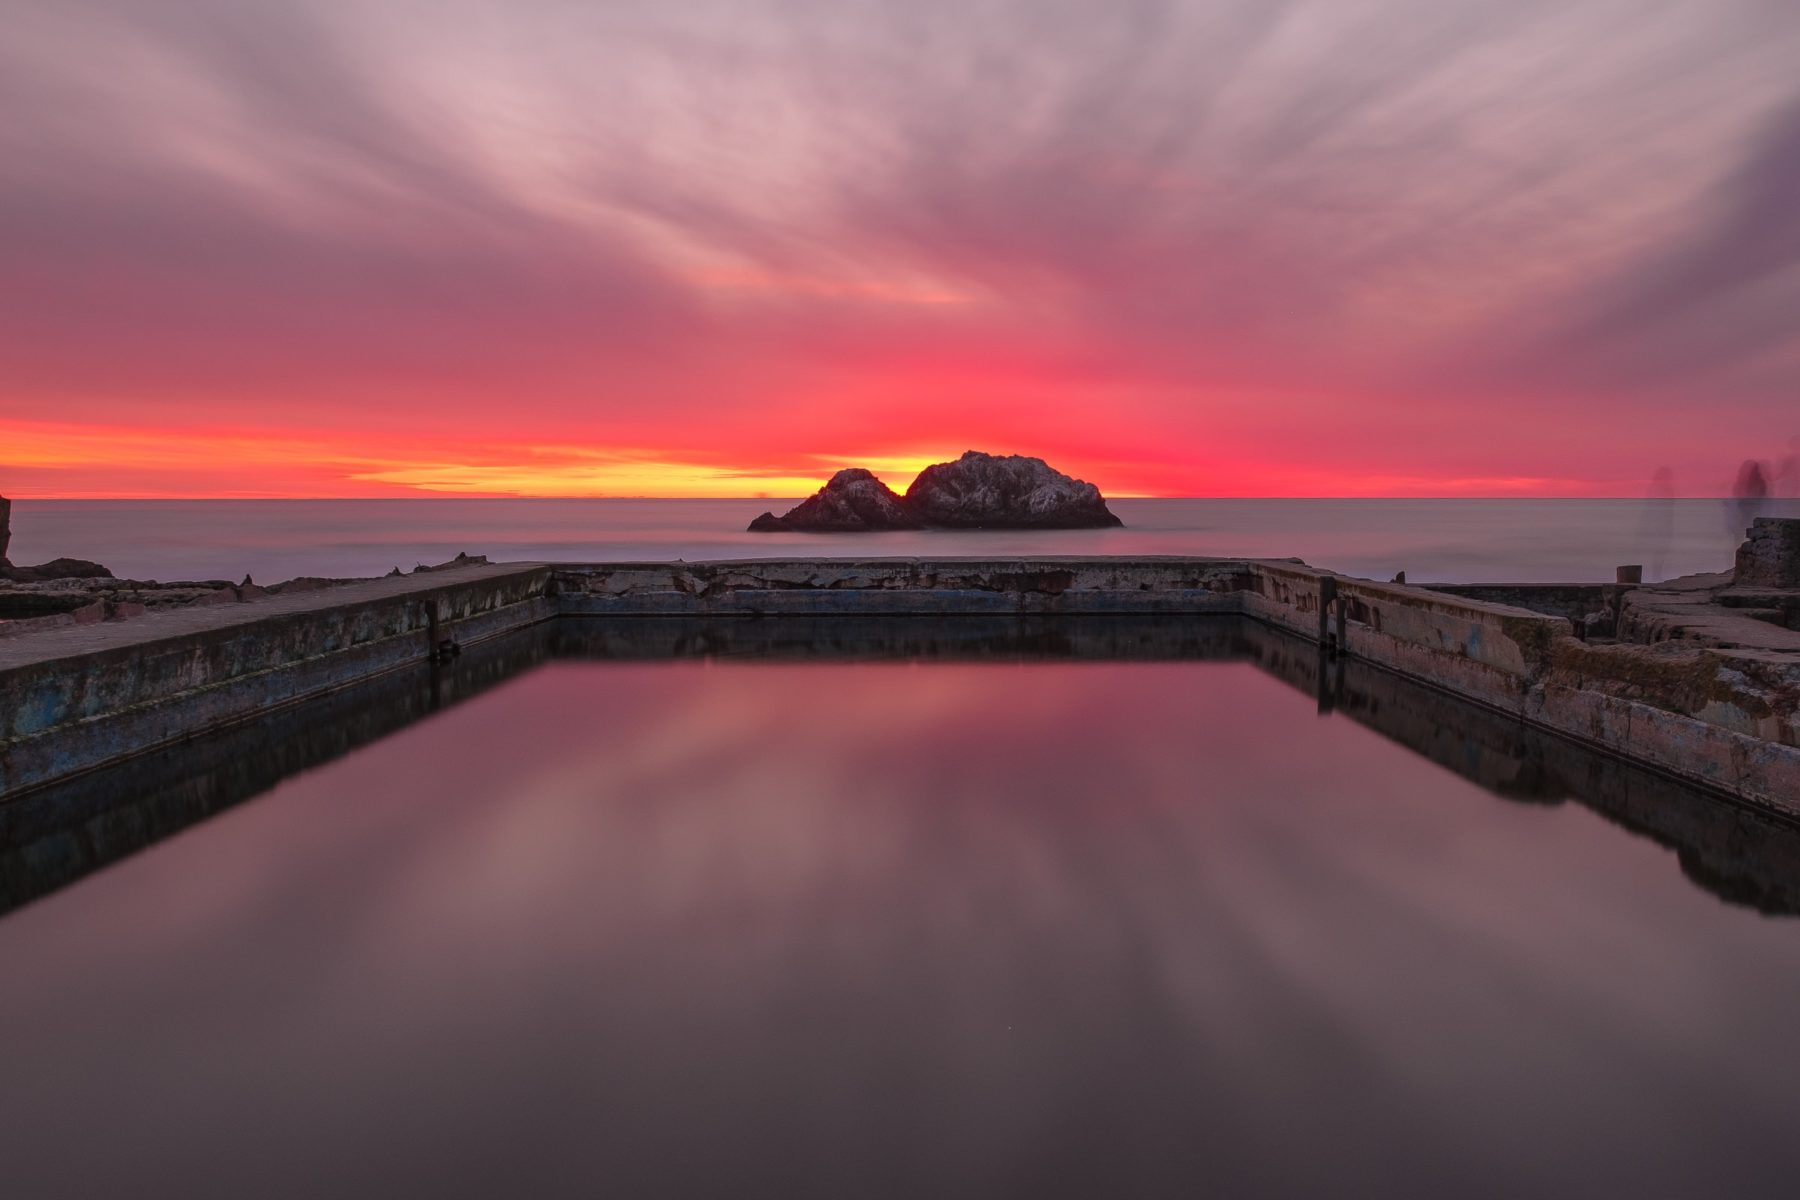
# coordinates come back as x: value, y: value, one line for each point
x: 724, y: 247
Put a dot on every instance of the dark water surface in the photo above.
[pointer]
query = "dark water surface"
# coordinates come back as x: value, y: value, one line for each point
x: 1443, y: 541
x: 692, y: 911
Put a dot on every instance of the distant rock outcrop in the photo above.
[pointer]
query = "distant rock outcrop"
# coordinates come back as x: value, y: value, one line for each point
x: 56, y: 568
x: 977, y: 491
x: 853, y: 502
x: 1005, y: 491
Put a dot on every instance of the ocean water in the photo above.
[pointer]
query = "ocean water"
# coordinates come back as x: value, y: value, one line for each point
x: 905, y: 928
x: 1448, y: 541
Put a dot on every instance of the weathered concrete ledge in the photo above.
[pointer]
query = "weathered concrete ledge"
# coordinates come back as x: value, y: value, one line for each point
x: 904, y: 586
x: 1572, y: 600
x: 54, y: 835
x: 75, y: 698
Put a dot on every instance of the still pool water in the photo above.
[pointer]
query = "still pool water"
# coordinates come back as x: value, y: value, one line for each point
x: 901, y: 928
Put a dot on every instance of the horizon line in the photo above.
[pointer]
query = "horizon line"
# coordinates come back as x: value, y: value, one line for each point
x: 140, y: 499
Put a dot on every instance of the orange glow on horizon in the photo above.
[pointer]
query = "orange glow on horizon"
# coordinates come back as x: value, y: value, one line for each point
x: 656, y: 254
x: 43, y: 460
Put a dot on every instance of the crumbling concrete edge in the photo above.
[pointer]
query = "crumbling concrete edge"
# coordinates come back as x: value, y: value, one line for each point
x: 60, y: 723
x: 1721, y: 723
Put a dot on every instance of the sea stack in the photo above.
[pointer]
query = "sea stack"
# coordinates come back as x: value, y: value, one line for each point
x: 1006, y: 491
x: 853, y: 502
x: 977, y: 491
x: 5, y: 527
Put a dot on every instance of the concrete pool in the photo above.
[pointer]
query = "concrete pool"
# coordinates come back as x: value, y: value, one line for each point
x: 891, y: 907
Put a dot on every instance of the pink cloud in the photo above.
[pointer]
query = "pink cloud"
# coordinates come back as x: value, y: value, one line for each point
x: 1224, y: 247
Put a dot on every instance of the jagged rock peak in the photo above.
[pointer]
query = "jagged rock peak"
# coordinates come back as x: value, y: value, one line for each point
x: 853, y: 501
x: 977, y: 491
x: 1006, y: 491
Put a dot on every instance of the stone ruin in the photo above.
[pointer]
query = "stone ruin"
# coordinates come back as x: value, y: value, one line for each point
x: 1770, y: 555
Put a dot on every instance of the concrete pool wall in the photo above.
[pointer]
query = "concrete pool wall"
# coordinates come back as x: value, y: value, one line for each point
x: 51, y: 836
x: 76, y: 698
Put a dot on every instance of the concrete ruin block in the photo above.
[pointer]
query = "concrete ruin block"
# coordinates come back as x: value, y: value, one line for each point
x: 1770, y: 555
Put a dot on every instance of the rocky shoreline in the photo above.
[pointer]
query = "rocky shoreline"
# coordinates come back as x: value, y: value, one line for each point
x: 73, y: 591
x: 30, y: 605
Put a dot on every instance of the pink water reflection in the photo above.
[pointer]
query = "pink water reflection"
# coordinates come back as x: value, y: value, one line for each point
x: 894, y: 929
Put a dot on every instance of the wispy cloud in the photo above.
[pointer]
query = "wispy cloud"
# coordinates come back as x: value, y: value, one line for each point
x: 1350, y: 236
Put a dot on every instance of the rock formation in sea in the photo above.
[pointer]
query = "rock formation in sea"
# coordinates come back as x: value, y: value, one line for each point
x: 56, y: 568
x: 1005, y: 491
x: 977, y: 491
x: 853, y: 502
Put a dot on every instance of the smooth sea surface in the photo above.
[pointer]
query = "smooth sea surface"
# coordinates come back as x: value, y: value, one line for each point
x: 710, y: 927
x: 1443, y: 541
